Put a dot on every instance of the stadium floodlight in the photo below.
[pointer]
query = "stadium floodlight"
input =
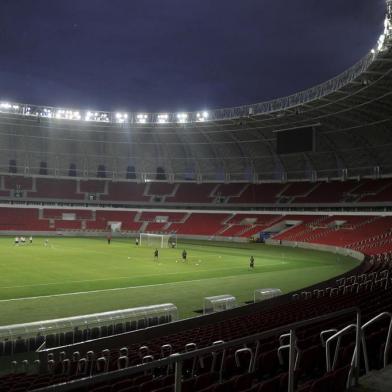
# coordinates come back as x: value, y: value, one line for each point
x: 46, y: 113
x: 5, y: 105
x: 202, y: 116
x: 8, y: 107
x: 141, y: 118
x: 383, y: 36
x: 121, y: 118
x: 162, y: 118
x: 387, y: 26
x: 96, y: 116
x: 182, y: 117
x: 67, y: 115
x: 380, y: 43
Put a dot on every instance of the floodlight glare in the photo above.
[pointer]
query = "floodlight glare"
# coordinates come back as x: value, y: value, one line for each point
x: 67, y: 115
x: 5, y: 105
x: 121, y: 117
x: 162, y: 118
x: 202, y: 116
x: 141, y: 118
x: 182, y: 117
x: 46, y: 113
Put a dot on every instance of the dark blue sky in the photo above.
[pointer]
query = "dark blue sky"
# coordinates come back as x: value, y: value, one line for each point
x: 159, y: 55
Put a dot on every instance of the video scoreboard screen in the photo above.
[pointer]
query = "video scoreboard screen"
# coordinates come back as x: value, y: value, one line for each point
x: 294, y: 141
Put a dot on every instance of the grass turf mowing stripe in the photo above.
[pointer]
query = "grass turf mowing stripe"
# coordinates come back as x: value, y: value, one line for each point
x: 81, y: 275
x: 118, y: 288
x: 127, y: 277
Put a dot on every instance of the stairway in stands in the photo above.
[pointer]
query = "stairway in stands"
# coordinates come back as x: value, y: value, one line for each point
x: 376, y: 381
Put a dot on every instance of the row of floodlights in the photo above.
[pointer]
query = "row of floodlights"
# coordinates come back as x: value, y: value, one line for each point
x: 120, y: 118
x: 161, y: 118
x: 381, y: 40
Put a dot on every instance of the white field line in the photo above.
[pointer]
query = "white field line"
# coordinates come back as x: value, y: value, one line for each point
x: 118, y: 288
x: 135, y: 276
x: 114, y: 289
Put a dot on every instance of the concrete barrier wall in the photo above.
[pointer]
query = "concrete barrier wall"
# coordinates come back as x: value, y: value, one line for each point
x: 103, y: 234
x: 321, y: 247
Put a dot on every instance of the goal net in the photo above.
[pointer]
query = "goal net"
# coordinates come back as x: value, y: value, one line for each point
x: 157, y: 240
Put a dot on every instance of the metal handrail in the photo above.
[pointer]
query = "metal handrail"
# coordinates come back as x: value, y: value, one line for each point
x: 337, y: 336
x: 326, y: 332
x: 283, y: 337
x: 243, y: 350
x: 387, y: 343
x: 280, y: 356
x: 178, y: 358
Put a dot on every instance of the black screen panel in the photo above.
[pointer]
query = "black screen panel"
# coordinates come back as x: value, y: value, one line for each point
x: 294, y: 141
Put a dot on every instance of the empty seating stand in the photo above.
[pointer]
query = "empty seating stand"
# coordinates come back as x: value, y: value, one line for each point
x: 129, y: 192
x: 19, y: 338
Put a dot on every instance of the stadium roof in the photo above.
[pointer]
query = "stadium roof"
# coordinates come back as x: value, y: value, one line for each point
x: 351, y: 115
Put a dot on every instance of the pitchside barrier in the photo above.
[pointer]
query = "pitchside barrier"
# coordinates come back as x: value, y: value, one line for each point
x: 27, y: 337
x: 176, y: 360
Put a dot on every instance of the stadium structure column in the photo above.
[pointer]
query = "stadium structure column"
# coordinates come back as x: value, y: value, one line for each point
x: 389, y: 9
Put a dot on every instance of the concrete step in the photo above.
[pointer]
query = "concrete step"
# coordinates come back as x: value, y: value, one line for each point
x: 376, y: 381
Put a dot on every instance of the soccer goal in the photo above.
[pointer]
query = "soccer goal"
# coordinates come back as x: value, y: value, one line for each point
x: 158, y: 240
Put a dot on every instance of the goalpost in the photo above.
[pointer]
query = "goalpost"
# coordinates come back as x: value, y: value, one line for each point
x: 158, y: 240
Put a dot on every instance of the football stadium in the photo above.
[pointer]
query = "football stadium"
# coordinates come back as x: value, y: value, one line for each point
x: 238, y: 249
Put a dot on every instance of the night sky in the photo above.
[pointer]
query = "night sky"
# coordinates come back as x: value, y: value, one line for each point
x: 175, y: 55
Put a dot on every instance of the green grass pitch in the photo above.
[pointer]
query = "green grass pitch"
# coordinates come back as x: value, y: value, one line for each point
x: 74, y: 276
